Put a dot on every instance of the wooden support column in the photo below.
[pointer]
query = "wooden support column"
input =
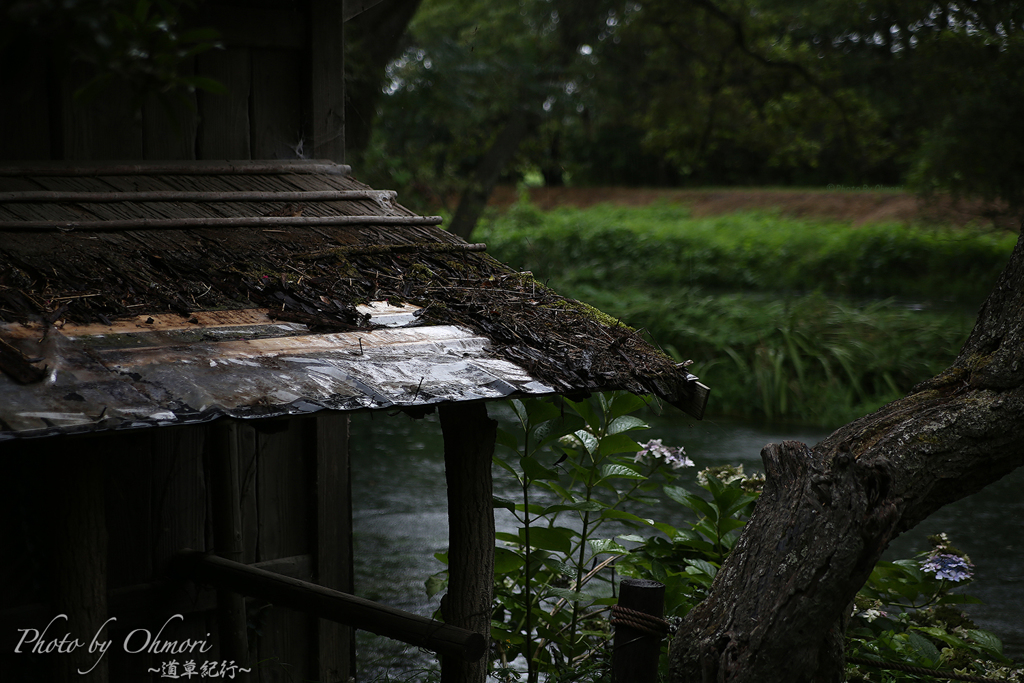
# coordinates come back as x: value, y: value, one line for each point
x: 80, y: 558
x: 227, y: 539
x: 334, y: 567
x: 469, y: 436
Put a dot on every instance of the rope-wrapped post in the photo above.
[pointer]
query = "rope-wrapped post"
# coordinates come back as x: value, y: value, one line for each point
x: 639, y: 629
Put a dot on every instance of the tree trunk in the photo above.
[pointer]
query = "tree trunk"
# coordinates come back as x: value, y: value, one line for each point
x: 778, y: 607
x: 373, y: 38
x: 474, y: 198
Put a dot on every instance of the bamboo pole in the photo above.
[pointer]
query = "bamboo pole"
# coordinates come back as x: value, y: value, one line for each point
x: 302, y: 166
x: 50, y: 196
x: 211, y: 222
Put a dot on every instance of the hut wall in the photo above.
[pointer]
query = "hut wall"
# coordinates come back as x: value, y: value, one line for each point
x: 157, y: 495
x: 281, y: 66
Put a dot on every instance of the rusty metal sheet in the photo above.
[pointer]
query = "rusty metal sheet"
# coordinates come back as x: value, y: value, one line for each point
x: 171, y: 369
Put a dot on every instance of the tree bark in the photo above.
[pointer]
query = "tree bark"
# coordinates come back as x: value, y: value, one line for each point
x: 778, y: 606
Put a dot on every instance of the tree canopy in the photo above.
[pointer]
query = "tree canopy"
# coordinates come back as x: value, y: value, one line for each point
x: 709, y: 92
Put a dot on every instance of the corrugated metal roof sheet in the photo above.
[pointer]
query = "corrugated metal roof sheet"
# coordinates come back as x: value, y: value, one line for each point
x: 172, y: 293
x: 243, y: 364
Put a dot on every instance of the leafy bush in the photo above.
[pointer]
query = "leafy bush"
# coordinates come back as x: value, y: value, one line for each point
x: 662, y: 246
x: 774, y: 345
x: 586, y: 482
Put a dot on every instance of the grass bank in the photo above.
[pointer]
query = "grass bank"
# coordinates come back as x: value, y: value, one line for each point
x: 784, y: 318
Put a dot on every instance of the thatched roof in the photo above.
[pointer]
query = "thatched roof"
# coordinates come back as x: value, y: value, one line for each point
x: 169, y: 293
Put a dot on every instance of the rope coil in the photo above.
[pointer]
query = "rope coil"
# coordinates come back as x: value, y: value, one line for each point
x: 640, y: 621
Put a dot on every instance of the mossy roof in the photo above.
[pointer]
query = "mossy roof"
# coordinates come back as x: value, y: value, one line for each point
x: 204, y: 257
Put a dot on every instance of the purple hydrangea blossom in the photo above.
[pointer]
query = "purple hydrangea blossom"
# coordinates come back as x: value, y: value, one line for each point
x: 947, y: 566
x: 655, y: 451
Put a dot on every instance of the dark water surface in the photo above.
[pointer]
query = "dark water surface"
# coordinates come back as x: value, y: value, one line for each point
x: 400, y: 510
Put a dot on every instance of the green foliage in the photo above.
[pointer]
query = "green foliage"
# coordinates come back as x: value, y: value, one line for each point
x: 585, y: 482
x: 777, y: 348
x: 906, y: 614
x: 663, y: 246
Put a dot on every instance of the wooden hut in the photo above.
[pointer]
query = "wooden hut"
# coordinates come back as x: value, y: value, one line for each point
x: 181, y: 340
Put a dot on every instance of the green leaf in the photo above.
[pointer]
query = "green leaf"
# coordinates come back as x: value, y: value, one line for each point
x: 505, y: 503
x: 626, y: 423
x: 618, y: 443
x: 924, y: 647
x: 582, y: 506
x: 590, y: 441
x: 556, y: 539
x: 613, y: 470
x: 540, y: 410
x: 506, y: 561
x: 987, y: 641
x: 572, y: 596
x: 507, y: 439
x: 435, y: 584
x: 624, y: 403
x: 612, y: 513
x: 534, y: 470
x: 703, y: 566
x: 606, y: 545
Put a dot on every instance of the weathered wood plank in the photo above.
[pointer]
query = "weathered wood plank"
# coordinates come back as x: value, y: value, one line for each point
x: 327, y: 79
x: 25, y: 108
x: 224, y: 129
x: 257, y: 27
x: 277, y: 121
x: 107, y: 126
x: 170, y: 122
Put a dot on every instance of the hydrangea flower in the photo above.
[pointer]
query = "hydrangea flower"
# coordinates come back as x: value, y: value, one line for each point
x: 654, y: 451
x: 948, y: 566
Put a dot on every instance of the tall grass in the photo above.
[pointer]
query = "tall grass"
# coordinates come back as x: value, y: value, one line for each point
x: 765, y: 306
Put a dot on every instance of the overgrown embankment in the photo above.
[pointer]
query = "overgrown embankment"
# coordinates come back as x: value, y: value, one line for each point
x: 784, y: 318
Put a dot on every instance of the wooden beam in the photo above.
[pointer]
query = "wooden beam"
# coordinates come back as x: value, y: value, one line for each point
x: 327, y: 79
x: 469, y: 436
x: 199, y: 223
x: 445, y: 639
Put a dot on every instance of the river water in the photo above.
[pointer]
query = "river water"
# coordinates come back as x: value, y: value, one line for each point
x: 400, y: 519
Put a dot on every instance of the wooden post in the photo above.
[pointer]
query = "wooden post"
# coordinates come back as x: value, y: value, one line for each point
x: 639, y: 629
x: 469, y: 437
x: 334, y: 567
x: 80, y: 556
x: 227, y: 538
